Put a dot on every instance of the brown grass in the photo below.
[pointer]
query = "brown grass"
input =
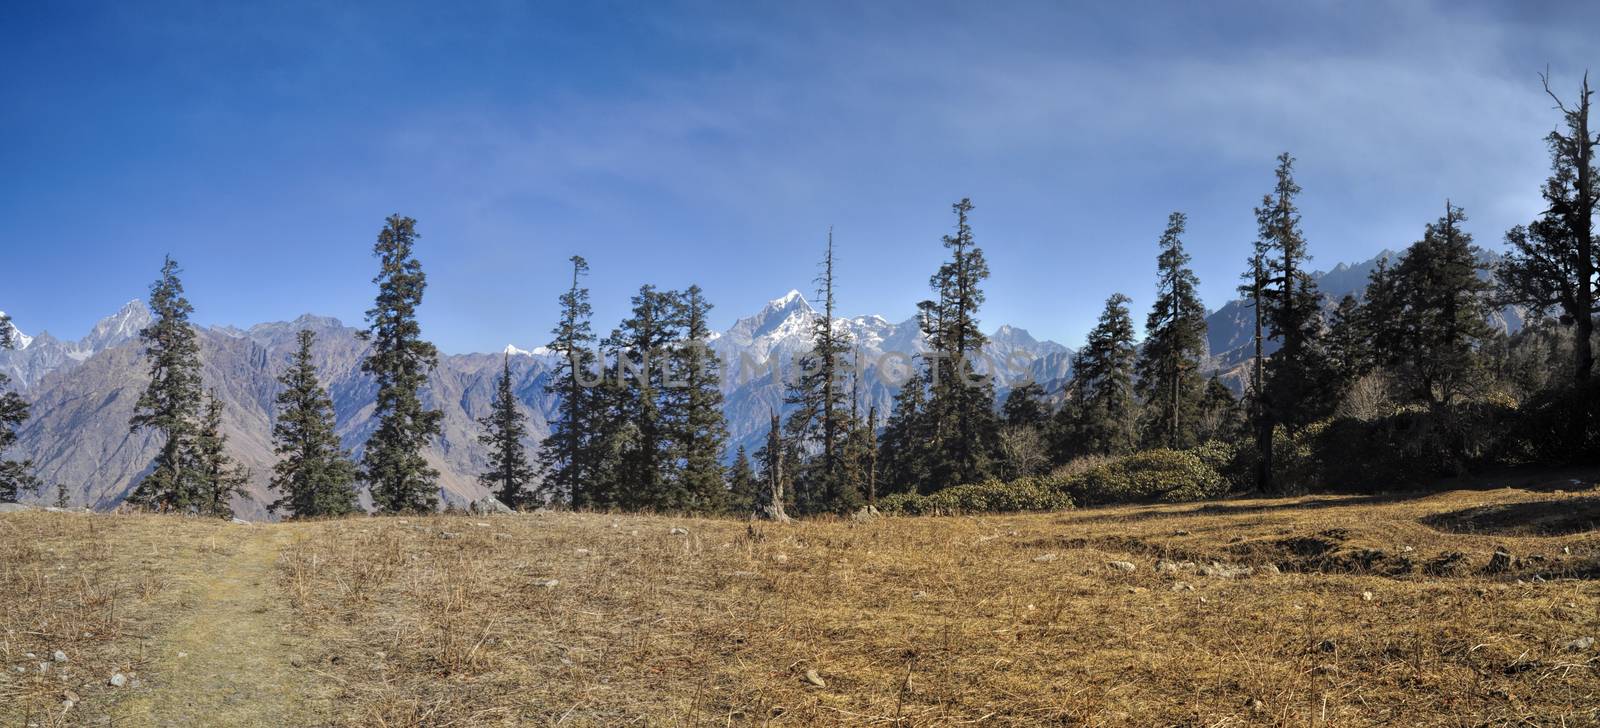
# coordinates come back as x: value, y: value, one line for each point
x: 947, y: 621
x: 926, y: 621
x: 94, y: 588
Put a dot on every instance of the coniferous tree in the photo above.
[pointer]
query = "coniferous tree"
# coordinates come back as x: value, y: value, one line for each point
x: 400, y: 360
x: 776, y: 495
x: 170, y: 404
x: 1220, y: 417
x: 861, y: 442
x: 1296, y: 382
x: 699, y: 428
x: 1025, y: 407
x: 744, y: 490
x: 314, y: 474
x: 568, y: 457
x: 1023, y: 447
x: 1349, y: 342
x: 1175, y: 342
x: 906, y: 444
x: 961, y: 401
x: 219, y: 478
x: 821, y: 418
x: 642, y: 469
x: 1254, y: 289
x: 1104, y: 412
x: 15, y: 475
x: 1551, y: 263
x: 1429, y: 319
x: 510, y: 475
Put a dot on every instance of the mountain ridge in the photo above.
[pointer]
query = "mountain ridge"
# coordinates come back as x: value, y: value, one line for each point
x: 83, y: 391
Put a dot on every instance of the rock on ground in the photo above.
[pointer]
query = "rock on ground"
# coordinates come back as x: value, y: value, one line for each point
x: 488, y: 506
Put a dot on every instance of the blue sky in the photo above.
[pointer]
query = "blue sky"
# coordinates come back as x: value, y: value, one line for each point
x: 262, y: 145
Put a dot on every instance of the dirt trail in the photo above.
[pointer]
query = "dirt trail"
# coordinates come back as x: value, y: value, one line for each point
x: 227, y: 659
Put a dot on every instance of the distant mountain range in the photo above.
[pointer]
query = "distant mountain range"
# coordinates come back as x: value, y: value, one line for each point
x: 84, y: 391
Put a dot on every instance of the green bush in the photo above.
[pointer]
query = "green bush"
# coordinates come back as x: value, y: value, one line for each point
x: 1223, y: 457
x: 1559, y: 425
x: 1414, y: 445
x: 993, y: 496
x: 1153, y: 475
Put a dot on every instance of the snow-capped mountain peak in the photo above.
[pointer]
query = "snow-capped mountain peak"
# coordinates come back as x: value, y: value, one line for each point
x: 788, y: 299
x: 18, y: 339
x: 537, y: 351
x: 125, y: 324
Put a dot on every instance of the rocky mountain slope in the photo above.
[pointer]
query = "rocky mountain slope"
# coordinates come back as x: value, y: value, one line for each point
x: 83, y: 392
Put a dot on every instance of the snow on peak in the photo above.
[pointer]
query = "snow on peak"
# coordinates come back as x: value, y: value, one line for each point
x: 787, y: 299
x: 512, y: 350
x: 18, y: 339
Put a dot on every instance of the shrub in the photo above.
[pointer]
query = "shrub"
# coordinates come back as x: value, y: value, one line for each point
x: 1413, y: 445
x: 1074, y: 468
x: 901, y: 503
x: 1561, y: 424
x: 992, y: 496
x: 1153, y: 475
x: 1217, y: 455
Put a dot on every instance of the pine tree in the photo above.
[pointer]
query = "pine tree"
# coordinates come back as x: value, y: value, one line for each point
x: 15, y: 475
x: 1175, y: 343
x: 219, y: 478
x: 1023, y: 448
x: 1349, y: 342
x: 1254, y: 289
x: 643, y: 469
x: 861, y: 443
x: 775, y: 497
x: 821, y: 420
x: 170, y: 405
x: 744, y: 490
x: 699, y: 428
x: 906, y: 444
x: 1552, y: 262
x: 568, y: 457
x: 1429, y: 313
x: 400, y: 478
x: 961, y: 401
x: 314, y: 475
x: 509, y: 474
x: 1220, y: 417
x: 1025, y: 407
x: 1297, y: 379
x: 1106, y: 407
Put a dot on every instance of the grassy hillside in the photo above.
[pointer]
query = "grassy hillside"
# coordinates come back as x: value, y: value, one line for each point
x: 1356, y: 611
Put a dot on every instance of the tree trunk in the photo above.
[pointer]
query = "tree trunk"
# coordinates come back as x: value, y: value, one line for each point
x: 1263, y: 426
x: 1584, y: 232
x: 773, y: 511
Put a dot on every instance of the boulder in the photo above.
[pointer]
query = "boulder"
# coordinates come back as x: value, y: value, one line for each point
x: 1225, y: 571
x: 488, y: 506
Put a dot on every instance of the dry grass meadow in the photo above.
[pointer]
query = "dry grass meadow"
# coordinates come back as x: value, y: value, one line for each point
x: 1358, y: 611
